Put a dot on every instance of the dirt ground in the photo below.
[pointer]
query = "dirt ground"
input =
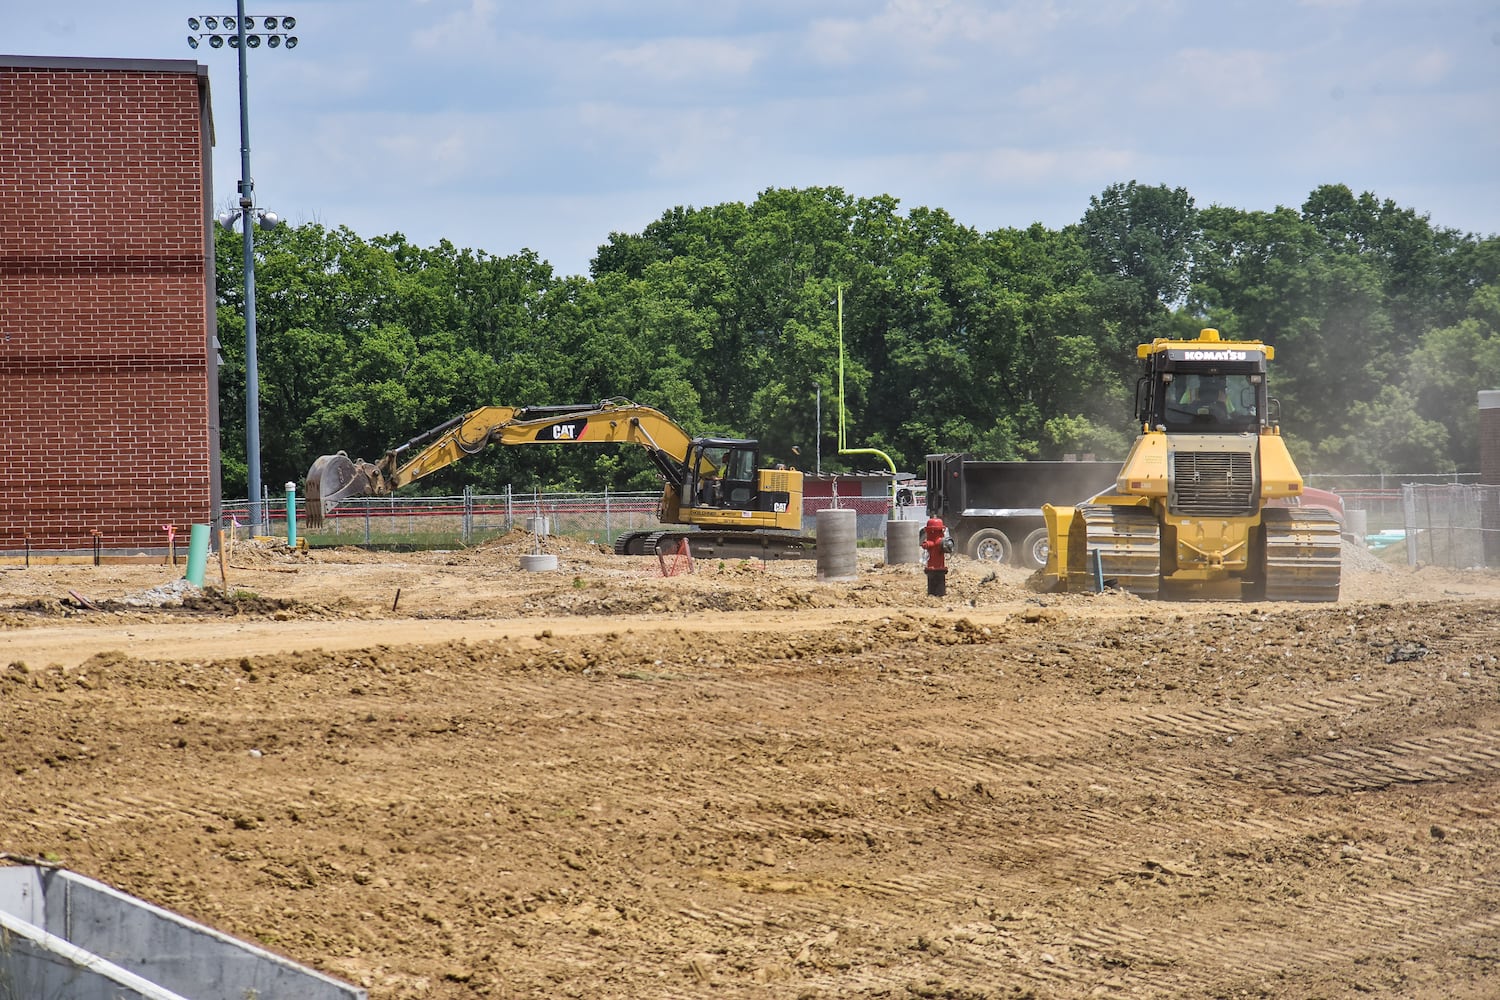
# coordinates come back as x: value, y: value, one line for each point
x: 437, y: 776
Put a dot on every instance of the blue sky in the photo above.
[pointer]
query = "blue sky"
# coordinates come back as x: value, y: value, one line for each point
x: 501, y: 126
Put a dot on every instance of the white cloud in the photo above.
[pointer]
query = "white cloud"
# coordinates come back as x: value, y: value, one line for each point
x: 678, y: 60
x: 927, y: 33
x: 468, y: 29
x: 501, y: 125
x: 1218, y: 80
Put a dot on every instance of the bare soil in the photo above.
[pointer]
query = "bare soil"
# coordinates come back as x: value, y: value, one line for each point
x: 438, y: 776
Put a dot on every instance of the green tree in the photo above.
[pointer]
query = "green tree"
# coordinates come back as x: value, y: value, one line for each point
x: 1141, y: 240
x: 1451, y: 366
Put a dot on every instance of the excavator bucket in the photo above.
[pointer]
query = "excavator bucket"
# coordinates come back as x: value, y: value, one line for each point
x: 333, y: 478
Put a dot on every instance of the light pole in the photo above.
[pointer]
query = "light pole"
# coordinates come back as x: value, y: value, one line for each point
x: 275, y: 33
x: 818, y: 422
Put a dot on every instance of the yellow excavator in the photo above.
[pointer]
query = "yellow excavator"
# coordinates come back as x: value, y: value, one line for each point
x: 728, y: 506
x: 1208, y: 503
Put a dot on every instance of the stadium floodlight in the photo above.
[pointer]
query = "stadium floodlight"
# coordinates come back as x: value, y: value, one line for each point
x: 202, y: 27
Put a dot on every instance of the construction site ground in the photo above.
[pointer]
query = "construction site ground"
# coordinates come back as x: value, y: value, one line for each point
x: 437, y: 776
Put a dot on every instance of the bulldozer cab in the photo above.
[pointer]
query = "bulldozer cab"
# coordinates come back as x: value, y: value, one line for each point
x: 722, y: 473
x: 1183, y: 399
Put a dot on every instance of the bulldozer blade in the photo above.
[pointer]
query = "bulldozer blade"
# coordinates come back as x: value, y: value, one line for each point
x: 331, y: 479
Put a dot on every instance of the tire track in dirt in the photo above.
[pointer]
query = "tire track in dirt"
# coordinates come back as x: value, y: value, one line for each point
x: 1407, y: 921
x: 549, y: 723
x: 1098, y: 832
x: 1450, y: 757
x: 1101, y: 832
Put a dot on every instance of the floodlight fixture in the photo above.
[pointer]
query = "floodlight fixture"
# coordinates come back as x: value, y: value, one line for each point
x: 237, y: 27
x: 263, y: 218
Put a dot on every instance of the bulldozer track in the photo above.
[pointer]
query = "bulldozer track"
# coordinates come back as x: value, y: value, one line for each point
x: 1128, y: 543
x: 1303, y: 554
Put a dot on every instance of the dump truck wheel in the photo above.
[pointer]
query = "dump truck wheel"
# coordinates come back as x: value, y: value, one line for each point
x: 990, y: 545
x: 1033, y: 551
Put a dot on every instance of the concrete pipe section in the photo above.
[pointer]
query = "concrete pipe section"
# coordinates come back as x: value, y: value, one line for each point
x: 903, y: 542
x: 837, y: 545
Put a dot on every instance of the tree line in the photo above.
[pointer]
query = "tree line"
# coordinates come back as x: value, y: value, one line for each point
x: 1012, y: 344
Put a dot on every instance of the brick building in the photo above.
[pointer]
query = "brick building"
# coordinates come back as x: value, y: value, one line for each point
x: 108, y: 367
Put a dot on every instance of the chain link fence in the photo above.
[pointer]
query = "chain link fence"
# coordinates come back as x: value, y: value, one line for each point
x: 471, y: 518
x: 1456, y: 526
x: 1441, y: 519
x: 1453, y: 522
x: 1381, y: 496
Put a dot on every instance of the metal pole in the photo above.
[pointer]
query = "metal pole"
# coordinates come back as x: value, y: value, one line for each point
x: 818, y: 420
x: 247, y: 213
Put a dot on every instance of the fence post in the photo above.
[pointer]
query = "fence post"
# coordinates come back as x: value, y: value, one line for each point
x: 468, y: 522
x: 1408, y: 520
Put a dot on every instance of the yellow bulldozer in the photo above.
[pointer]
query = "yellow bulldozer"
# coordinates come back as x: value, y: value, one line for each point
x: 714, y: 488
x: 1208, y: 504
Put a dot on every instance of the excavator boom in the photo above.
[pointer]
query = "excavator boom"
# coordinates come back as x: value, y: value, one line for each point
x: 711, y: 483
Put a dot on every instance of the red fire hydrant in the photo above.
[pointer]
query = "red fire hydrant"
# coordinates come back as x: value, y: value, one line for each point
x: 936, y: 542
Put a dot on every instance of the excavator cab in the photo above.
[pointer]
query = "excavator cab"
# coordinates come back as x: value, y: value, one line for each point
x: 722, y: 474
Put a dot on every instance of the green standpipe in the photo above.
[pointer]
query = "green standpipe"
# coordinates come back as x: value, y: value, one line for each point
x: 291, y: 515
x: 197, y: 554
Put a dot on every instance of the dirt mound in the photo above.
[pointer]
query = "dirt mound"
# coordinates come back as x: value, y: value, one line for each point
x: 517, y: 542
x: 442, y: 778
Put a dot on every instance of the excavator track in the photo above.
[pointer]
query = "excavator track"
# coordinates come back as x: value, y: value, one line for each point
x: 1128, y: 541
x: 717, y: 544
x: 1303, y: 554
x: 632, y: 543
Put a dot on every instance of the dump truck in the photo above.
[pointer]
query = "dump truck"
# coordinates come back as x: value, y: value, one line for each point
x: 993, y: 510
x: 715, y: 490
x: 1208, y: 503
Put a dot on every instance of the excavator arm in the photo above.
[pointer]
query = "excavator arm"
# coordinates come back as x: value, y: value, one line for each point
x: 334, y: 478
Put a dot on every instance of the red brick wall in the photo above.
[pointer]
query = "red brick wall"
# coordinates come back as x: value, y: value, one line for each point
x: 107, y: 384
